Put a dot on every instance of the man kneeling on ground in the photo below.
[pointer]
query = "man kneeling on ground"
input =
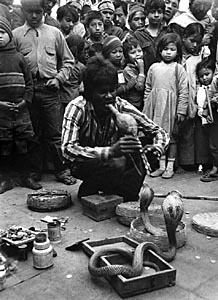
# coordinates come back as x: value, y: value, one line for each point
x: 99, y: 156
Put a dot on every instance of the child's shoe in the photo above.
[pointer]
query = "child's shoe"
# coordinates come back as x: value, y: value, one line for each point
x: 157, y: 173
x: 167, y: 174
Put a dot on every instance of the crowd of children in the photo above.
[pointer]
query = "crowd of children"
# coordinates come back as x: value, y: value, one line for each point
x: 166, y: 64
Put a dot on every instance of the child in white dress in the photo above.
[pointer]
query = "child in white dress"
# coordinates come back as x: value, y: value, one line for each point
x: 166, y: 96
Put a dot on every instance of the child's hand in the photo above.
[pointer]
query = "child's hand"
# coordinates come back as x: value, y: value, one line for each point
x: 180, y: 118
x: 140, y: 64
x: 214, y: 100
x: 20, y: 106
x: 206, y: 39
x: 7, y: 106
x: 200, y: 112
x: 53, y: 83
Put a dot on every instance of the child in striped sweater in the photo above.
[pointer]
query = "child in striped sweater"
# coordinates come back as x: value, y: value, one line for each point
x: 16, y: 90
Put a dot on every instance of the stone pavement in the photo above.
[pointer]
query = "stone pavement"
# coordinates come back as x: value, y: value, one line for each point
x: 196, y: 263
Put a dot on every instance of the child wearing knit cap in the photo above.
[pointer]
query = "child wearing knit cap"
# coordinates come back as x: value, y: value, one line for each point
x: 107, y: 9
x: 16, y: 90
x: 136, y: 17
x: 113, y: 51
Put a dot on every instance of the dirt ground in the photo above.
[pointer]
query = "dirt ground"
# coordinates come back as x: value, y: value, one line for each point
x: 196, y: 263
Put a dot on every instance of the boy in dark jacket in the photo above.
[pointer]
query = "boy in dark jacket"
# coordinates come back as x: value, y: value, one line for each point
x: 16, y: 90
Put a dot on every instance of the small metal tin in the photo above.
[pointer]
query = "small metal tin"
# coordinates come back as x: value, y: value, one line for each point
x: 22, y: 252
x: 54, y: 232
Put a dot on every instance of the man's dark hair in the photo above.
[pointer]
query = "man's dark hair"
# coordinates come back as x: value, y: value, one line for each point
x: 154, y: 4
x: 123, y: 4
x: 91, y: 15
x: 98, y: 72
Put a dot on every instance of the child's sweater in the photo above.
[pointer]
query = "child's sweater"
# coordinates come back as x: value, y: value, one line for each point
x: 15, y: 78
x: 135, y: 84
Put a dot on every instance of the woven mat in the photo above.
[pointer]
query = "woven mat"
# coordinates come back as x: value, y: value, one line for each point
x: 206, y: 223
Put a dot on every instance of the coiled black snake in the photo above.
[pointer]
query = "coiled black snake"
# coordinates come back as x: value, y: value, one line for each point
x: 172, y: 207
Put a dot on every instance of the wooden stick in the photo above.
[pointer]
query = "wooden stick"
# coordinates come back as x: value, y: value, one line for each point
x: 192, y: 197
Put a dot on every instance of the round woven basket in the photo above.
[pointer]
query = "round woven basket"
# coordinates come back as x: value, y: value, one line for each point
x: 49, y: 200
x: 206, y: 223
x: 138, y: 233
x: 128, y: 211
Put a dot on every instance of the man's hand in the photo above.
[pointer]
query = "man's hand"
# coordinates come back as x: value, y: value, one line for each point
x: 126, y: 145
x: 153, y: 149
x: 180, y: 118
x: 53, y: 83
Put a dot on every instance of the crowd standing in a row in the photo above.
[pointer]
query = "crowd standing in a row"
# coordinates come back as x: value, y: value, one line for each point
x: 55, y: 72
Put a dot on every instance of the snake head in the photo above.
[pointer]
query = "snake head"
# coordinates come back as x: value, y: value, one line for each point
x: 146, y: 196
x: 173, y: 208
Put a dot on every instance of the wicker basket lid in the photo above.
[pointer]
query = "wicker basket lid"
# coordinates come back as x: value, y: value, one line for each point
x: 49, y: 200
x: 206, y: 223
x: 128, y: 209
x: 132, y: 209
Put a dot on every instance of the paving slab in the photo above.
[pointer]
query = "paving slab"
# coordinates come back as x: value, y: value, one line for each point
x: 196, y: 278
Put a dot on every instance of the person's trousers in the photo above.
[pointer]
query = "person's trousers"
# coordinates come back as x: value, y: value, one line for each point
x: 45, y: 116
x: 213, y: 139
x: 117, y: 176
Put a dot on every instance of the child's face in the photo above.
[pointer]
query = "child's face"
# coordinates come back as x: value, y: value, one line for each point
x: 192, y: 43
x: 108, y: 16
x: 33, y: 13
x: 169, y: 52
x: 116, y: 56
x: 66, y: 24
x: 155, y: 16
x: 199, y: 8
x: 135, y: 53
x: 138, y: 21
x: 214, y: 11
x: 96, y: 28
x: 171, y: 9
x: 4, y: 38
x: 119, y: 17
x: 205, y: 76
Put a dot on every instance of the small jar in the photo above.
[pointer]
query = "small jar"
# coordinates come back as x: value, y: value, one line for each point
x: 22, y: 252
x: 54, y: 232
x: 42, y: 252
x: 2, y: 277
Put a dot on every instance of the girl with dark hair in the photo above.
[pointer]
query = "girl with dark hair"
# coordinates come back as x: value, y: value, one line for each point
x: 166, y: 96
